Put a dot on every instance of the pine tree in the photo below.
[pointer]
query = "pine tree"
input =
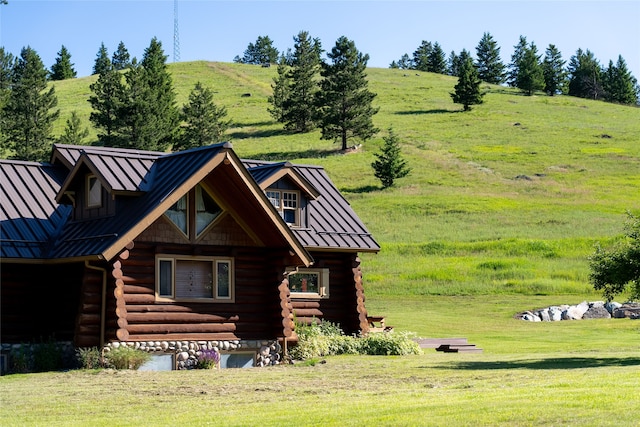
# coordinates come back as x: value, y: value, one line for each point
x: 102, y: 63
x: 121, y: 59
x: 619, y: 84
x: 153, y: 117
x: 530, y: 76
x: 436, y: 62
x: 281, y: 89
x: 297, y: 107
x: 260, y: 53
x: 74, y: 133
x: 514, y: 66
x: 421, y: 56
x: 490, y: 67
x: 585, y: 79
x: 555, y: 78
x: 6, y: 69
x: 204, y: 120
x: 344, y: 101
x: 63, y: 68
x: 27, y: 119
x: 107, y: 101
x: 389, y: 164
x: 467, y: 90
x: 405, y: 62
x: 456, y: 61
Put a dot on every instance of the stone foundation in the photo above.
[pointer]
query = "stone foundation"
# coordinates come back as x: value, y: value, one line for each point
x: 267, y: 352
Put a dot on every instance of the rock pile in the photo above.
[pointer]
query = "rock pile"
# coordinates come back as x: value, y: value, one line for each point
x: 584, y: 310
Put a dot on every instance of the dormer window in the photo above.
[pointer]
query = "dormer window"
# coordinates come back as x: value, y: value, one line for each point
x: 94, y: 192
x: 205, y: 211
x: 287, y: 204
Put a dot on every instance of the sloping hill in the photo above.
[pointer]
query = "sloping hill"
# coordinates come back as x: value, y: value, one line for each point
x: 507, y: 198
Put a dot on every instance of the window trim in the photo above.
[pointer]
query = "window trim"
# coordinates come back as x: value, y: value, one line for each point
x: 281, y: 208
x: 213, y: 260
x: 89, y: 179
x: 323, y: 285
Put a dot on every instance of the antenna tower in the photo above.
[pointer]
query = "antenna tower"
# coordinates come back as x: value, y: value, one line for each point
x: 176, y: 33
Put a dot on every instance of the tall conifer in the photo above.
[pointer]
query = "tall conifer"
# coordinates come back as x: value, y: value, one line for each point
x: 63, y: 68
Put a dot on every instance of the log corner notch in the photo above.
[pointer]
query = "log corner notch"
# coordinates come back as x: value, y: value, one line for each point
x: 362, y: 310
x: 286, y: 312
x: 121, y: 310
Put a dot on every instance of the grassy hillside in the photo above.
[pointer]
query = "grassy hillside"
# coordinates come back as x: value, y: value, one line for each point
x: 508, y: 198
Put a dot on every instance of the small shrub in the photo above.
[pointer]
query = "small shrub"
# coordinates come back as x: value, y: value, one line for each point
x: 89, y: 358
x: 390, y: 344
x: 208, y: 359
x: 126, y: 358
x: 47, y: 356
x: 19, y: 360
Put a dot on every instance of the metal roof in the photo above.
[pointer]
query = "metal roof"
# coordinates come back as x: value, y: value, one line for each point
x: 333, y: 224
x: 34, y: 225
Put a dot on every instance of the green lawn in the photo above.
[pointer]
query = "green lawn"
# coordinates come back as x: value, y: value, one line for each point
x: 499, y: 215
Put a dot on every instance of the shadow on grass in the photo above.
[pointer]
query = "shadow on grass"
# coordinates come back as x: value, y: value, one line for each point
x: 554, y: 363
x: 292, y: 155
x: 361, y: 189
x: 420, y: 112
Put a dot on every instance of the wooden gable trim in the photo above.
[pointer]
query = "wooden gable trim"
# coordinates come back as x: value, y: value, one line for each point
x: 233, y: 160
x: 288, y: 171
x: 83, y: 160
x: 159, y: 210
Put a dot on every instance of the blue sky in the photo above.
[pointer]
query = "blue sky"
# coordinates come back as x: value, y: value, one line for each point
x: 219, y: 30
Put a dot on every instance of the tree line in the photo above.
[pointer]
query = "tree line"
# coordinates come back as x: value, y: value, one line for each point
x: 133, y: 106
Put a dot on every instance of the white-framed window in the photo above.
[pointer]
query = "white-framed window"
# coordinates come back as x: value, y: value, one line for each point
x: 205, y: 208
x: 309, y: 283
x: 287, y: 203
x: 181, y: 278
x: 94, y: 192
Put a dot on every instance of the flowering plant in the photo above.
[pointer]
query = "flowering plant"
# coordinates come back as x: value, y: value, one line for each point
x: 208, y: 359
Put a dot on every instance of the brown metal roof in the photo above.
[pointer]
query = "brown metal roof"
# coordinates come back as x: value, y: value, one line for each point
x: 333, y: 224
x: 35, y: 226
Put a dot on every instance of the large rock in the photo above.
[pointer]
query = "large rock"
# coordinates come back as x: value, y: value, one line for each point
x: 630, y: 310
x: 596, y: 312
x: 611, y: 306
x: 575, y: 312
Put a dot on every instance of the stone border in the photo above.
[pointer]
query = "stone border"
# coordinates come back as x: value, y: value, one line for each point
x: 268, y: 352
x: 584, y: 310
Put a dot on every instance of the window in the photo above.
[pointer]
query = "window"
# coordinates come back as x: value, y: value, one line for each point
x: 194, y: 278
x: 286, y: 203
x: 309, y: 283
x: 205, y: 208
x: 94, y: 192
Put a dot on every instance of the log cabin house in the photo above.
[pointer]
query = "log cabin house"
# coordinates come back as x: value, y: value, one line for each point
x: 103, y: 247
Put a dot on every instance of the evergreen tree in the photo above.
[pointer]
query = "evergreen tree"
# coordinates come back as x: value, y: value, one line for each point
x: 74, y: 133
x: 297, y: 108
x: 619, y: 84
x: 27, y: 119
x: 530, y: 76
x: 102, y: 61
x: 121, y: 59
x: 405, y: 62
x: 389, y: 164
x: 107, y: 101
x: 585, y: 73
x: 421, y: 56
x: 260, y: 53
x: 456, y: 61
x: 152, y: 117
x: 555, y: 78
x: 490, y: 67
x: 6, y: 66
x: 281, y: 90
x: 436, y: 61
x: 204, y: 120
x: 344, y: 101
x: 467, y: 90
x: 63, y: 68
x: 394, y: 65
x: 514, y: 66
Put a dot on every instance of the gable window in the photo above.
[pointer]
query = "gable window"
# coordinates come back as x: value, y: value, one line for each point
x: 94, y: 192
x: 194, y: 278
x: 198, y: 201
x: 287, y: 204
x: 309, y: 283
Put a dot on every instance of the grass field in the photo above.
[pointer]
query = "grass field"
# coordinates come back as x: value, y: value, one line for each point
x: 499, y: 215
